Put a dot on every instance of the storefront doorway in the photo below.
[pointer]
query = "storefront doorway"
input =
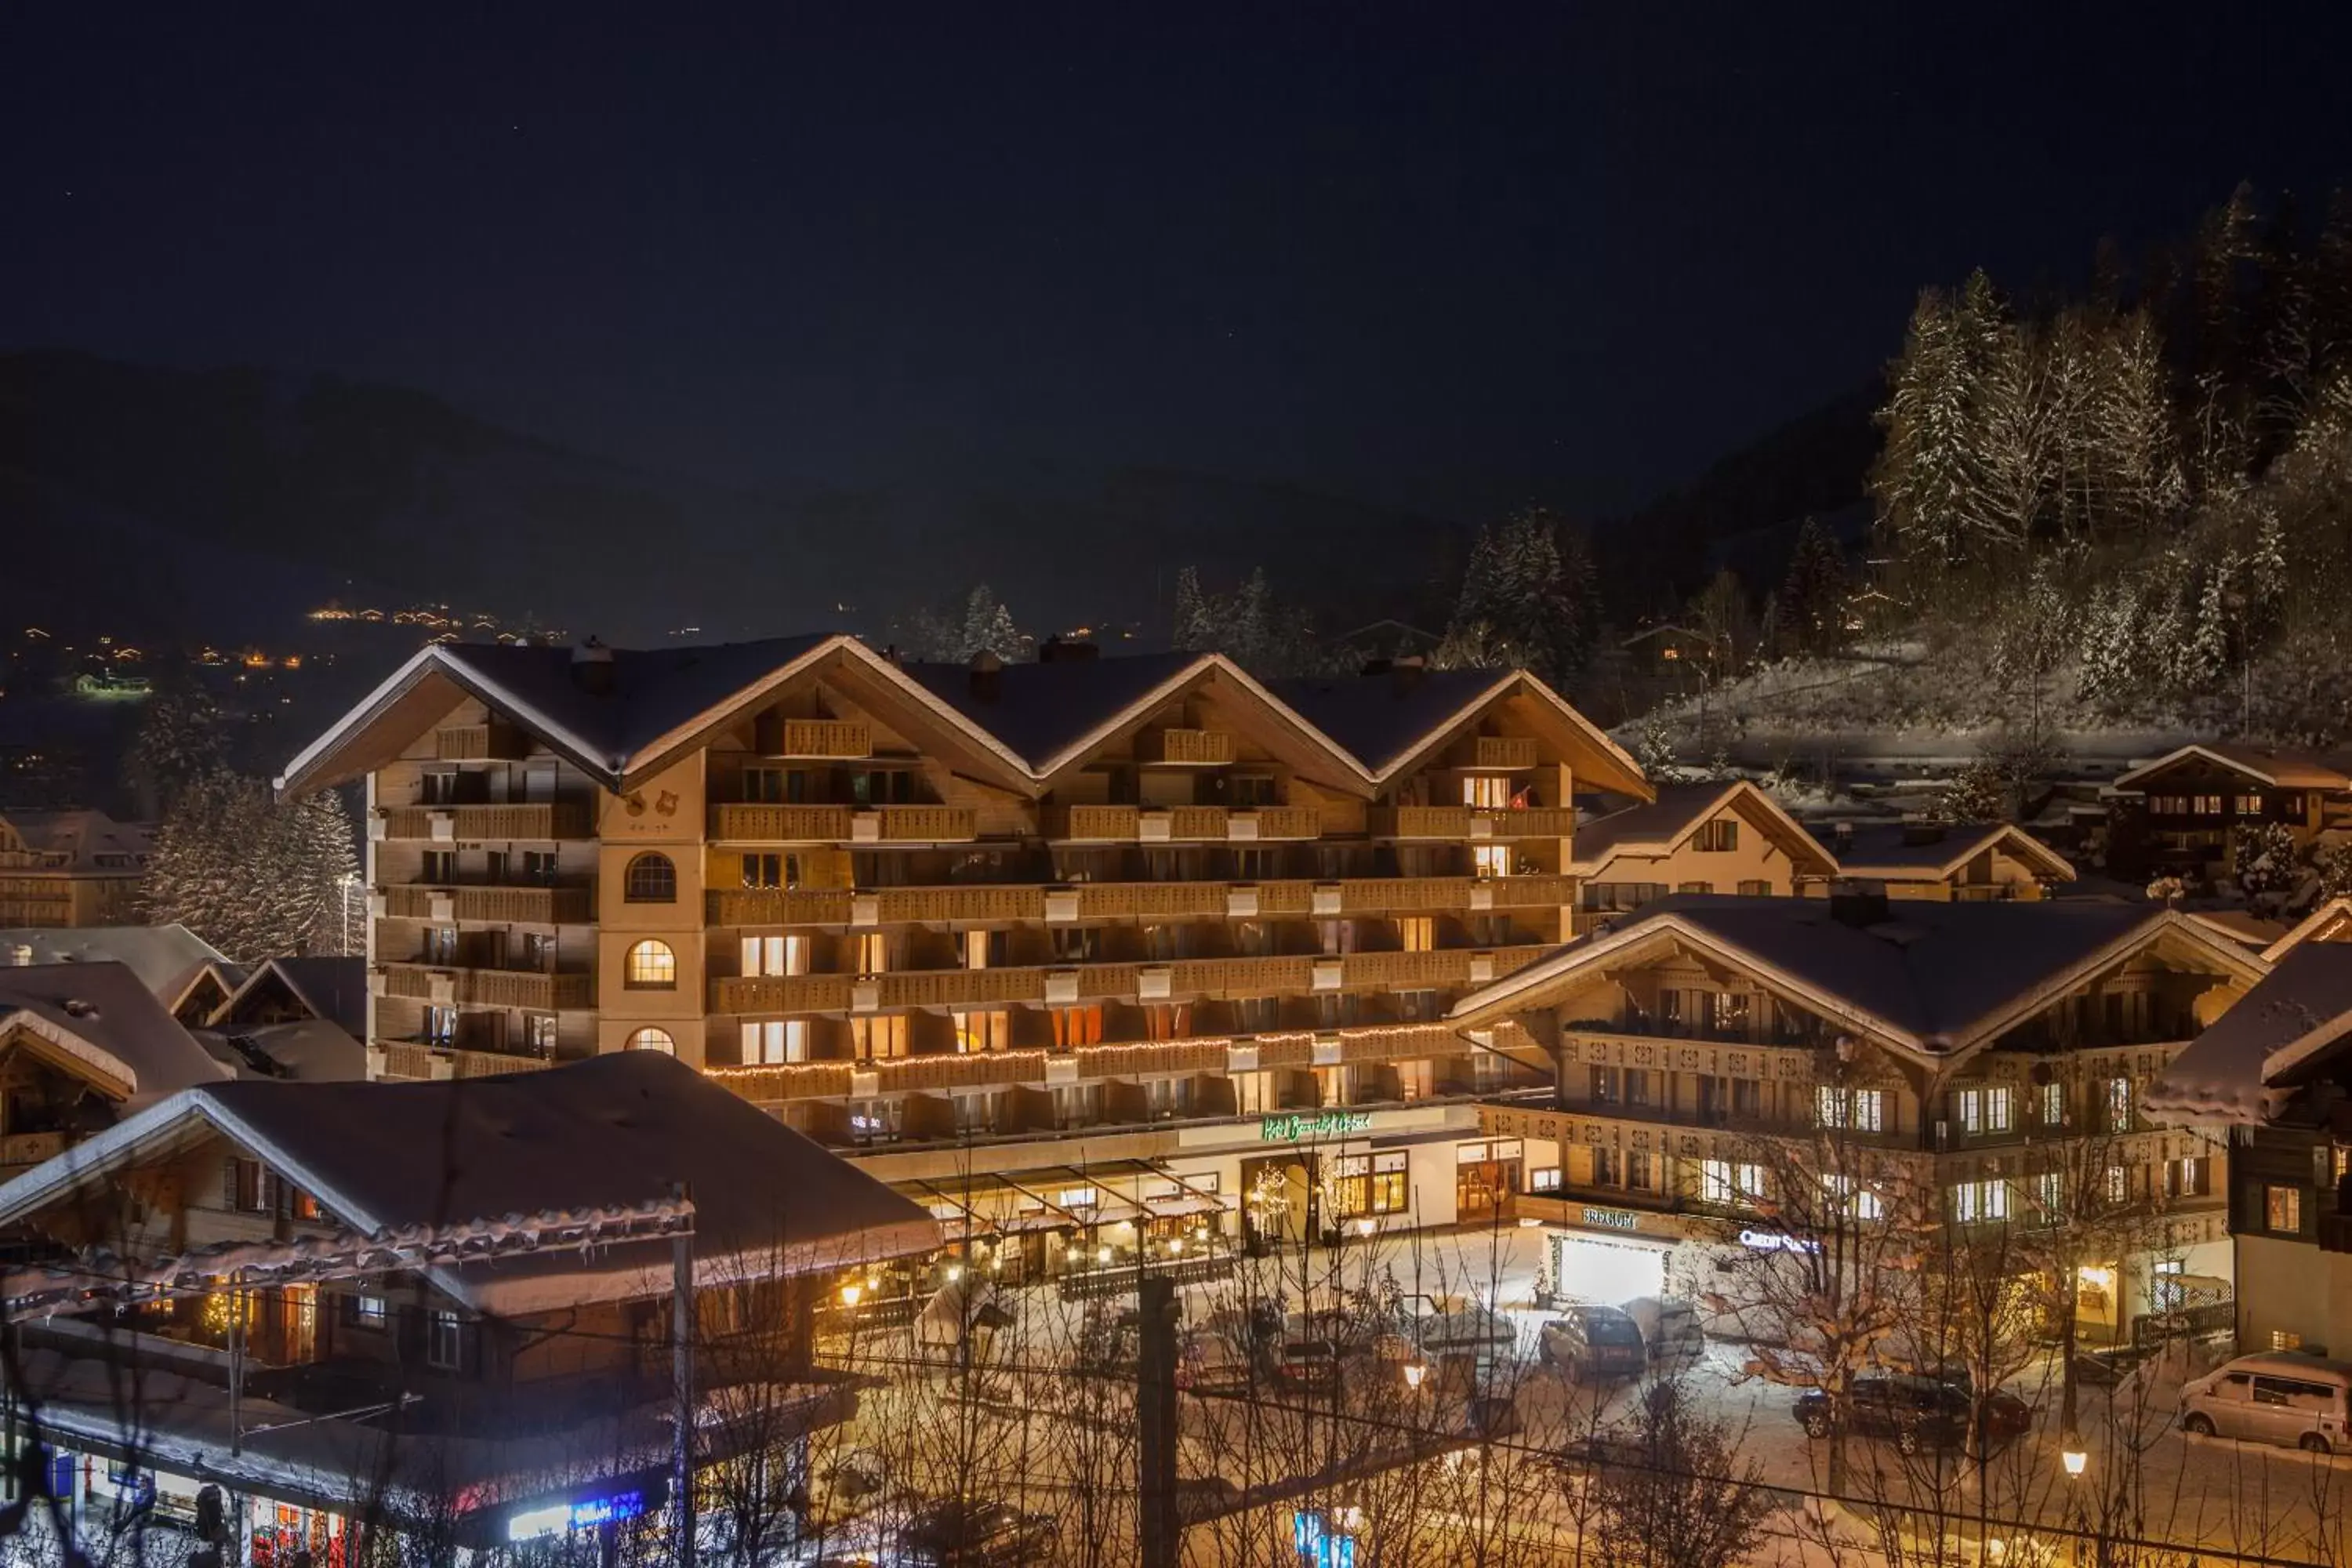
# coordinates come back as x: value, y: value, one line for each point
x: 1279, y: 1202
x: 1486, y: 1178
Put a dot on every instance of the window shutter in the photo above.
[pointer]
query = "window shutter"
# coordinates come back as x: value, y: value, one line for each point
x: 228, y: 1182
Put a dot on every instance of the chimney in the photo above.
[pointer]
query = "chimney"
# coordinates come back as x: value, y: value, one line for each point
x: 1075, y: 651
x: 1859, y: 904
x: 592, y: 668
x: 987, y: 676
x: 1405, y: 673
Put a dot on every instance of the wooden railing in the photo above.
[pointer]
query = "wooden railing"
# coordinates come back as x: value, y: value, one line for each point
x: 487, y: 987
x: 759, y: 824
x: 776, y: 906
x: 474, y: 824
x: 1212, y: 748
x: 479, y: 742
x: 414, y: 1060
x: 1182, y: 824
x: 754, y: 823
x: 1028, y: 903
x: 518, y: 905
x: 1247, y: 977
x: 31, y: 1148
x: 828, y: 738
x: 1492, y: 752
x: 1471, y: 822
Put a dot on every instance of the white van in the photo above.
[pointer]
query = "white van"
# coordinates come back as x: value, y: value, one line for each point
x: 2294, y: 1401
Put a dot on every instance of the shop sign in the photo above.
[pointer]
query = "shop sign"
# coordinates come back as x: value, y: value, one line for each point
x: 586, y: 1514
x: 1612, y: 1219
x: 1300, y: 1128
x: 1773, y: 1241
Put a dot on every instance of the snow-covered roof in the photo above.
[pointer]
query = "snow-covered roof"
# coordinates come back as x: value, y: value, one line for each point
x: 2279, y: 770
x: 612, y: 1130
x: 101, y: 1015
x: 2241, y: 926
x: 1041, y: 717
x: 80, y: 835
x: 1930, y: 977
x: 2328, y: 923
x: 308, y: 1050
x: 1659, y: 827
x: 332, y: 988
x: 2223, y: 1073
x: 1907, y: 852
x: 166, y: 958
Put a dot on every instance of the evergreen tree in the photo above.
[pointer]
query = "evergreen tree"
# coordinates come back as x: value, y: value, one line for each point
x: 1810, y: 610
x: 255, y: 877
x: 1531, y: 584
x: 182, y: 735
x: 988, y: 626
x: 1194, y: 624
x: 1923, y: 478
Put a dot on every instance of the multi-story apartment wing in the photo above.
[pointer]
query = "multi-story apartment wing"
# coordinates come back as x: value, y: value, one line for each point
x: 1996, y: 1052
x: 1096, y: 954
x: 70, y: 869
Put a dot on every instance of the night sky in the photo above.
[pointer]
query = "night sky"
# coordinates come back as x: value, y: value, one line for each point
x: 1443, y: 257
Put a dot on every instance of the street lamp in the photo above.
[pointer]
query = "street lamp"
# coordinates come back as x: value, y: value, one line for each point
x: 1366, y: 1225
x: 2073, y: 1455
x: 1415, y: 1371
x: 851, y: 1292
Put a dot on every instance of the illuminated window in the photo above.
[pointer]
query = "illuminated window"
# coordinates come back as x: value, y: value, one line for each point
x: 1416, y: 934
x: 651, y: 878
x: 873, y: 953
x: 2283, y: 1210
x: 445, y: 1343
x: 652, y: 967
x: 1488, y: 789
x: 1491, y: 859
x: 1975, y: 1202
x: 771, y: 870
x: 2119, y: 1105
x: 1983, y: 1109
x: 774, y: 1041
x: 775, y: 955
x: 1077, y: 1026
x: 989, y: 1031
x: 2054, y: 1105
x: 878, y: 1039
x: 650, y: 1039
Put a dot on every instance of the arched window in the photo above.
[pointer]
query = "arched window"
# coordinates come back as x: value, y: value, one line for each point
x: 652, y: 967
x: 654, y: 1040
x: 650, y: 880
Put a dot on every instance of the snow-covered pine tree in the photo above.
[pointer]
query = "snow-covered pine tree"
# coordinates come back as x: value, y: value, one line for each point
x: 182, y: 735
x: 2109, y: 651
x: 2133, y: 448
x: 988, y: 626
x: 2013, y: 458
x: 1192, y: 622
x: 256, y: 877
x: 1811, y: 606
x: 1923, y: 478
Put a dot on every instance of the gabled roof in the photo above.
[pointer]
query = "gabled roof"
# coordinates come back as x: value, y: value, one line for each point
x: 308, y: 1050
x: 2246, y: 928
x: 221, y: 977
x: 332, y: 988
x: 2279, y: 770
x: 166, y: 958
x: 2325, y: 924
x: 101, y: 1015
x: 2222, y: 1076
x: 81, y: 836
x: 1900, y: 851
x: 611, y: 1131
x: 1662, y: 825
x: 1389, y: 722
x: 1931, y: 978
x: 1044, y: 717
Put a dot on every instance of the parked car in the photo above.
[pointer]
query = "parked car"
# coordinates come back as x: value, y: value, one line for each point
x: 1307, y: 1363
x: 1595, y: 1341
x: 1916, y: 1412
x: 1670, y: 1332
x: 977, y: 1533
x: 2296, y: 1401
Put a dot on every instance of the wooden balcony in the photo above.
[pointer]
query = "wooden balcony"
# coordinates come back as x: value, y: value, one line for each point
x: 1181, y: 824
x: 446, y: 986
x: 480, y: 743
x: 1496, y: 754
x: 415, y: 1061
x: 492, y: 906
x: 1471, y: 822
x: 32, y: 1148
x: 826, y: 738
x: 547, y: 821
x: 1070, y: 984
x: 756, y: 824
x: 1190, y: 748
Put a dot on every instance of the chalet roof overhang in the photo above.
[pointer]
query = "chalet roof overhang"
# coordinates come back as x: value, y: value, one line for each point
x: 2278, y: 771
x: 2003, y: 836
x: 1754, y: 805
x: 1541, y: 983
x: 2325, y: 924
x: 68, y: 1052
x: 1594, y: 758
x: 190, y: 1118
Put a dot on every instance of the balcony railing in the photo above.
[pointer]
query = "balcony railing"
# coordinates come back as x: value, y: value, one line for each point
x: 941, y: 1070
x: 1181, y: 824
x: 479, y: 742
x: 444, y: 986
x: 515, y: 905
x: 1029, y: 904
x: 1470, y: 822
x: 1207, y: 748
x: 31, y: 1148
x: 1055, y: 985
x: 755, y: 823
x: 419, y: 1061
x: 826, y: 738
x: 478, y: 824
x: 1493, y: 754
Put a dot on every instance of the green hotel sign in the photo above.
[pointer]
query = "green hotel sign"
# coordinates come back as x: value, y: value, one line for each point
x: 1304, y: 1129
